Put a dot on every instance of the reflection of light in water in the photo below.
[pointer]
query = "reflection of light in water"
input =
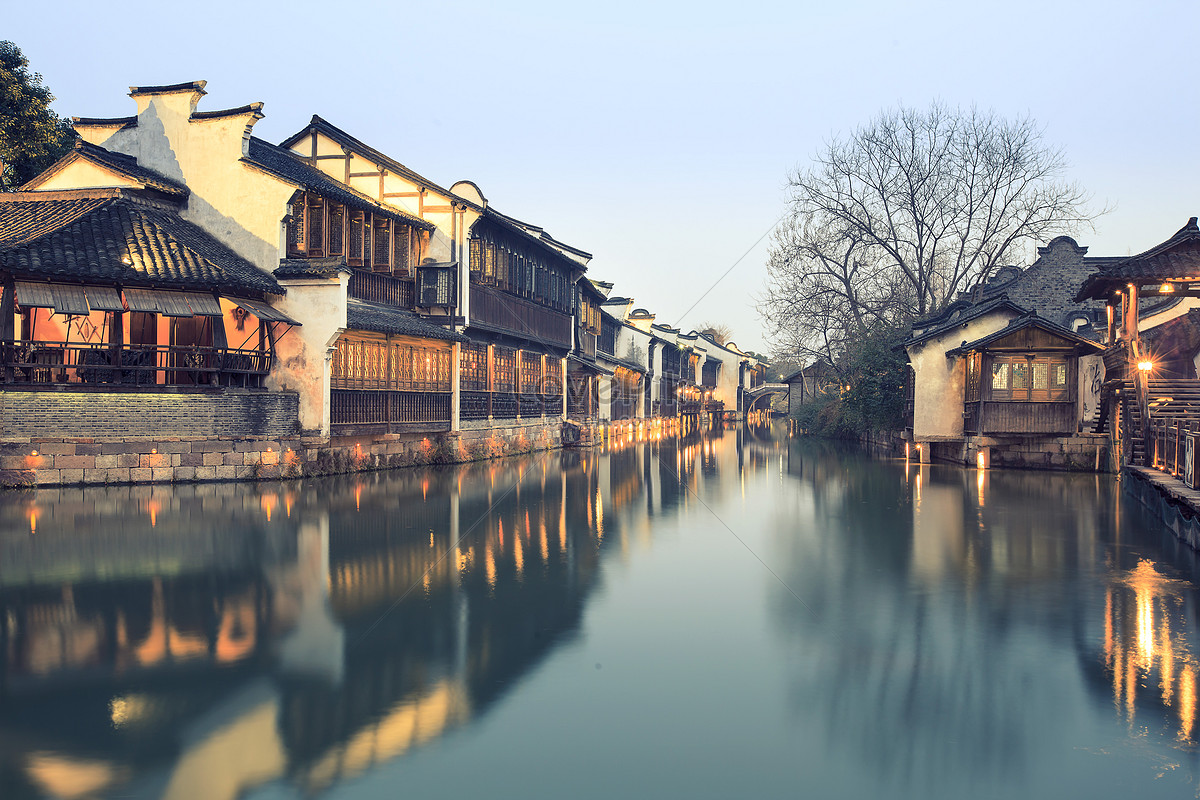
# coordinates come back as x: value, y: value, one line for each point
x: 415, y: 721
x: 268, y: 503
x: 543, y: 541
x: 599, y: 515
x: 1187, y: 703
x: 127, y: 709
x: 358, y: 497
x: 490, y: 566
x: 1138, y: 639
x: 519, y: 557
x: 68, y: 778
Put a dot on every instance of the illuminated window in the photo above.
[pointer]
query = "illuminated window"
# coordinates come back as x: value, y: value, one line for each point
x: 1000, y: 377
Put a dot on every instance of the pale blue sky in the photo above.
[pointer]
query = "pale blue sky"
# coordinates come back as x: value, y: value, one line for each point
x: 658, y: 136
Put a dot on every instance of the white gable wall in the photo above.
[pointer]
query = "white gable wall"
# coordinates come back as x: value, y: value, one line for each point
x: 940, y: 381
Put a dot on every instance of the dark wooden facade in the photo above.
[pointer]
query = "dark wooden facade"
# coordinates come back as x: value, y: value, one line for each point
x: 1024, y: 382
x: 500, y: 382
x: 387, y: 383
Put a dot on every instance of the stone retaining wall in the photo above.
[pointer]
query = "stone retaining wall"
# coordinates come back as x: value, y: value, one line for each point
x: 144, y: 415
x: 1081, y: 452
x: 51, y: 461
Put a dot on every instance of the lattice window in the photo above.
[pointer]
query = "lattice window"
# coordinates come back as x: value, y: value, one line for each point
x: 381, y: 254
x: 504, y: 375
x: 296, y: 238
x: 489, y: 262
x: 401, y: 248
x: 337, y: 229
x: 552, y: 384
x: 357, y: 222
x: 531, y: 372
x: 472, y: 368
x: 315, y: 207
x: 477, y: 247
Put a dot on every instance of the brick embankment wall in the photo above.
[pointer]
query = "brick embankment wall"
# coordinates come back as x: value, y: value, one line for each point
x: 228, y: 413
x: 71, y: 457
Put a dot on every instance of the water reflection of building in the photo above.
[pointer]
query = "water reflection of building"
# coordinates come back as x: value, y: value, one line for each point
x: 202, y: 641
x: 944, y: 609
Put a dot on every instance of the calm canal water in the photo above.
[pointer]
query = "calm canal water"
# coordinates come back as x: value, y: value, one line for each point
x: 727, y: 615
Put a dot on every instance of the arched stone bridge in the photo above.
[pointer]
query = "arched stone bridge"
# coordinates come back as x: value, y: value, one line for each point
x: 759, y: 397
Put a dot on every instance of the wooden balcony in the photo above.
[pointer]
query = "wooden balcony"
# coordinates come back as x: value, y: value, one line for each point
x: 37, y: 364
x: 495, y: 309
x: 378, y: 287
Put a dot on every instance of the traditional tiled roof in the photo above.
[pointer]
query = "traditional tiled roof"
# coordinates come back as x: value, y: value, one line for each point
x: 960, y: 314
x: 126, y: 166
x: 114, y: 236
x: 364, y: 316
x: 311, y: 267
x: 1046, y: 287
x: 589, y: 366
x: 1020, y: 323
x: 1178, y: 258
x: 287, y: 165
x: 817, y: 368
x: 539, y: 236
x: 620, y: 362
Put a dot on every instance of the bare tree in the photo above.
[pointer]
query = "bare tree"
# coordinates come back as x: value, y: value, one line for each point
x: 892, y: 222
x: 718, y: 332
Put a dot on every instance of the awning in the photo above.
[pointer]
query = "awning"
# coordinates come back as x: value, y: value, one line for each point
x: 263, y: 311
x: 103, y: 298
x: 143, y: 300
x: 68, y: 300
x: 172, y: 304
x: 203, y: 305
x: 34, y: 295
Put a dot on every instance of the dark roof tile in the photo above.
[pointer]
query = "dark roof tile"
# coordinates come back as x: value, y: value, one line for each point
x: 311, y: 267
x: 1177, y: 257
x: 116, y: 162
x: 365, y: 316
x: 114, y: 236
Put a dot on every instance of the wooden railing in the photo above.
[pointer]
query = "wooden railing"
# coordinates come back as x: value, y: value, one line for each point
x: 145, y: 366
x: 508, y: 405
x: 381, y: 288
x: 1174, y: 448
x: 382, y: 411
